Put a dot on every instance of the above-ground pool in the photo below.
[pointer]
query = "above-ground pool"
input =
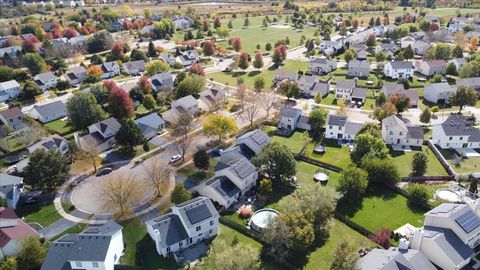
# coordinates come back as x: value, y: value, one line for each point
x: 261, y: 218
x: 320, y: 176
x: 448, y: 195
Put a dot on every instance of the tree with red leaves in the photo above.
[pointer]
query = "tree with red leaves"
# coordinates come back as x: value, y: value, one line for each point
x: 382, y: 237
x: 433, y: 27
x: 110, y: 85
x: 136, y: 25
x: 83, y: 30
x: 145, y: 85
x: 196, y: 69
x: 117, y: 52
x: 217, y: 23
x: 283, y: 51
x: 258, y: 60
x: 57, y: 32
x: 29, y: 45
x: 120, y: 104
x: 127, y: 25
x: 236, y: 43
x: 355, y: 23
x: 208, y: 48
x: 243, y: 62
x: 14, y: 30
x: 277, y: 56
x: 70, y: 32
x: 206, y: 25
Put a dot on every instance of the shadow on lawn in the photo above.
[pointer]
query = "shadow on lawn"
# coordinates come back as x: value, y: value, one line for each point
x: 350, y: 207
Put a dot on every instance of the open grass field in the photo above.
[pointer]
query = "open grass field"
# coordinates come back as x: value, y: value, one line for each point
x: 403, y: 160
x: 230, y: 78
x: 381, y: 208
x: 338, y: 155
x: 43, y: 214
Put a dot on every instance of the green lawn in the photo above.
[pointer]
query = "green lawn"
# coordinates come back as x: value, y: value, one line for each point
x: 322, y: 257
x: 335, y: 154
x: 381, y: 207
x: 294, y: 142
x: 230, y: 78
x: 14, y: 143
x: 191, y: 172
x: 42, y: 214
x: 403, y: 160
x: 60, y: 126
x: 329, y: 99
x: 468, y: 165
x: 305, y: 172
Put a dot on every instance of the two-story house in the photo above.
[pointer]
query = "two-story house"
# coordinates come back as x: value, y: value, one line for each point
x: 189, y: 223
x: 96, y: 247
x: 358, y: 68
x: 438, y: 92
x: 311, y: 86
x: 457, y: 132
x: 110, y: 69
x: 186, y: 104
x: 473, y: 82
x: 398, y: 69
x: 330, y: 47
x: 189, y: 57
x: 284, y: 76
x: 432, y: 67
x: 11, y: 187
x: 134, y: 68
x: 397, y: 89
x: 398, y: 131
x: 406, y: 41
x: 338, y: 127
x: 151, y: 125
x: 13, y: 231
x: 348, y: 91
x: 162, y: 81
x: 101, y: 135
x: 13, y: 118
x: 76, y: 75
x: 49, y: 112
x: 253, y: 141
x: 9, y: 90
x: 321, y: 65
x: 213, y: 97
x: 46, y: 80
x: 54, y: 142
x: 289, y: 118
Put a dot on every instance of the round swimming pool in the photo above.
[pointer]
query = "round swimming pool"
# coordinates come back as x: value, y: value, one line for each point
x: 448, y: 195
x: 261, y: 218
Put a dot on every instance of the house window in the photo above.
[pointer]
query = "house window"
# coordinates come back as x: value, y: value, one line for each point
x: 212, y: 222
x: 95, y: 264
x: 331, y: 127
x: 461, y: 138
x: 198, y: 228
x: 168, y: 249
x: 180, y: 244
x: 79, y: 264
x: 115, y: 258
x: 401, y: 133
x: 190, y: 240
x: 450, y: 138
x: 391, y: 132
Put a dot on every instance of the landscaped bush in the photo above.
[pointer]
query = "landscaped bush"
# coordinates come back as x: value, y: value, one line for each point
x: 382, y: 237
x: 418, y: 194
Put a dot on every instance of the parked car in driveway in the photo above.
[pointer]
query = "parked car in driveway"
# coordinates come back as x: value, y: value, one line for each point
x: 104, y: 171
x: 174, y: 159
x: 79, y: 179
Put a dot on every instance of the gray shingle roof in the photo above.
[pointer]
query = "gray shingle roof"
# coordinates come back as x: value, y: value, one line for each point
x: 290, y: 112
x: 336, y: 120
x: 170, y: 229
x: 359, y: 92
x: 359, y: 64
x: 401, y: 65
x: 459, y: 125
x: 44, y: 77
x: 223, y: 186
x: 448, y: 241
x: 56, y: 107
x: 346, y: 84
x: 394, y: 259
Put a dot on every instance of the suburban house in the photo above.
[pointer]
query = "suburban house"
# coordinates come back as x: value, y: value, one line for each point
x: 310, y: 86
x: 97, y: 247
x: 398, y: 131
x: 12, y: 231
x: 45, y: 80
x: 421, y: 47
x: 432, y: 67
x: 458, y: 62
x: 358, y: 68
x: 339, y: 127
x: 134, y: 68
x: 186, y: 104
x: 395, y: 258
x: 321, y: 65
x: 188, y: 223
x: 438, y: 92
x: 8, y: 90
x: 53, y: 142
x: 182, y: 22
x: 213, y: 97
x: 110, y: 69
x: 49, y: 112
x: 398, y: 69
x: 168, y: 58
x: 12, y: 117
x: 449, y: 237
x: 388, y: 49
x: 472, y: 82
x: 406, y: 41
x: 162, y: 81
x: 330, y: 47
x: 76, y: 75
x: 457, y: 132
x: 189, y: 57
x: 150, y: 125
x: 11, y: 188
x: 101, y: 135
x: 289, y: 118
x: 397, y: 89
x: 10, y: 51
x: 361, y: 55
x: 348, y: 91
x: 283, y: 76
x: 253, y: 141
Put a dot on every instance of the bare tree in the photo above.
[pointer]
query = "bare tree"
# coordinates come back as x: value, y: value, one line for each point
x: 91, y: 151
x: 241, y: 95
x: 158, y: 174
x: 181, y: 127
x: 253, y: 106
x: 120, y: 191
x: 269, y: 101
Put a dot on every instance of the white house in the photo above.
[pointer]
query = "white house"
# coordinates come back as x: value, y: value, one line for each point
x: 432, y: 67
x: 49, y: 112
x: 189, y: 57
x: 438, y: 92
x: 450, y: 234
x: 134, y: 68
x: 321, y: 65
x: 11, y: 187
x: 458, y: 62
x: 398, y: 69
x: 101, y: 135
x: 8, y: 90
x: 405, y: 41
x: 213, y: 97
x: 421, y: 47
x: 358, y: 68
x: 330, y: 47
x: 289, y: 118
x: 45, y: 80
x: 348, y: 91
x: 12, y: 230
x: 10, y: 51
x: 457, y: 132
x: 53, y: 142
x: 340, y: 128
x: 110, y: 69
x: 97, y: 247
x: 472, y: 82
x: 186, y: 104
x: 398, y: 131
x: 189, y: 223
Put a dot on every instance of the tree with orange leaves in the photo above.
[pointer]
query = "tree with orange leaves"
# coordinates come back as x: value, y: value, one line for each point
x: 94, y: 74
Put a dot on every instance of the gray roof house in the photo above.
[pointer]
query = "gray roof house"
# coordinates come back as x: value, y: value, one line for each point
x: 283, y: 75
x: 310, y: 86
x: 472, y: 82
x: 213, y: 97
x: 254, y: 140
x: 53, y: 142
x: 189, y: 57
x: 438, y: 92
x: 49, y: 112
x: 45, y: 80
x: 398, y: 131
x: 189, y: 223
x: 321, y: 65
x: 289, y: 118
x: 11, y: 187
x: 101, y: 135
x: 98, y: 246
x: 13, y: 117
x: 457, y: 132
x: 361, y: 54
x: 339, y: 127
x: 110, y: 69
x: 187, y: 104
x: 134, y: 67
x: 394, y: 259
x: 390, y: 89
x: 421, y: 47
x: 168, y: 58
x: 432, y: 67
x: 358, y: 68
x: 76, y: 75
x: 458, y: 62
x: 8, y: 90
x: 150, y: 125
x: 162, y: 81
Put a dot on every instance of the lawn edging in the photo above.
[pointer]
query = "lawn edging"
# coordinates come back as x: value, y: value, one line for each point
x: 441, y: 158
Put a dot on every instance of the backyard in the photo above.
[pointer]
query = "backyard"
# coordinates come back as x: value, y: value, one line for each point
x: 466, y: 165
x: 43, y: 214
x: 337, y: 155
x: 60, y: 126
x: 403, y: 160
x: 294, y: 142
x: 374, y: 211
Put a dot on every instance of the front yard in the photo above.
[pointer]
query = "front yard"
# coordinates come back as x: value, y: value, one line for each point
x: 403, y: 160
x: 196, y: 175
x: 43, y: 214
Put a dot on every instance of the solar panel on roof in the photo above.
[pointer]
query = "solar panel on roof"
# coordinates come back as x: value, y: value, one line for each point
x: 198, y: 213
x: 243, y: 169
x: 469, y: 221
